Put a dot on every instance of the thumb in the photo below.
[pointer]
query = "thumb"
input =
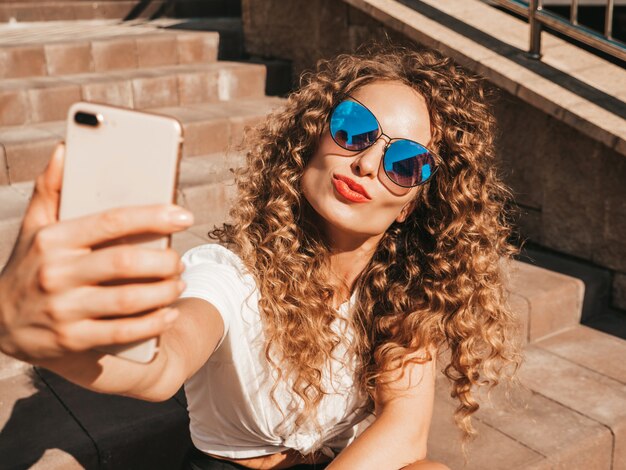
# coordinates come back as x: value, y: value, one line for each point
x: 44, y: 203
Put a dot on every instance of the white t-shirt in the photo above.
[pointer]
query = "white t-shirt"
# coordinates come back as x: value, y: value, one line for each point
x: 230, y: 409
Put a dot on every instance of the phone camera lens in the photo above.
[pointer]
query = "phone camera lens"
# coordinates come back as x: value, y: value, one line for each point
x: 88, y: 119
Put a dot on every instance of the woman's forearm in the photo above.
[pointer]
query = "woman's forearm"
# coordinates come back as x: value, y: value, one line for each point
x: 382, y: 446
x: 105, y: 373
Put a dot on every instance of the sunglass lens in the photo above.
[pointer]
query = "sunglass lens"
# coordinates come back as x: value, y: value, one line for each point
x: 353, y: 126
x: 408, y: 163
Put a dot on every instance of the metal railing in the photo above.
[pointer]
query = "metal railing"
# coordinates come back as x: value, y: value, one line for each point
x: 538, y: 17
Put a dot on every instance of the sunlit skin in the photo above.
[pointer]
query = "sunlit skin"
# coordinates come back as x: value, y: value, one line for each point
x: 355, y: 228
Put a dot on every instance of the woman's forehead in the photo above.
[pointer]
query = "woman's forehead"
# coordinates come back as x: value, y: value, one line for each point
x: 400, y: 110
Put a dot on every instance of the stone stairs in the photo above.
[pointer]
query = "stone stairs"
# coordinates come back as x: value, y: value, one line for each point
x: 39, y: 11
x: 574, y: 415
x: 576, y: 398
x: 170, y: 71
x: 45, y: 99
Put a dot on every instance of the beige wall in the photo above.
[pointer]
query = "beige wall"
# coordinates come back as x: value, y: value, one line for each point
x: 571, y: 188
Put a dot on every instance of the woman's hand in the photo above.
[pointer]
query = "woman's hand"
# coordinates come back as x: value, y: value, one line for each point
x: 50, y: 293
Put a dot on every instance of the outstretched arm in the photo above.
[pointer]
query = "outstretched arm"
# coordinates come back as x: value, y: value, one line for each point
x: 399, y: 434
x: 185, y: 346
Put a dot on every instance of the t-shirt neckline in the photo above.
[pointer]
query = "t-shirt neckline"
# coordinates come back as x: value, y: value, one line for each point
x: 348, y: 302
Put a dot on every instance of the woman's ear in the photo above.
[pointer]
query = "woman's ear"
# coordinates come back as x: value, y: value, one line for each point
x: 406, y: 210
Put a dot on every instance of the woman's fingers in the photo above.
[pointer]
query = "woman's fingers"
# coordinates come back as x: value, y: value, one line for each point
x: 116, y: 262
x: 94, y: 229
x: 89, y: 333
x: 96, y: 301
x: 58, y: 282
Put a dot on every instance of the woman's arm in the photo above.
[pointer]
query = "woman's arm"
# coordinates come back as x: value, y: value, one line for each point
x: 399, y: 435
x: 184, y: 347
x: 52, y: 299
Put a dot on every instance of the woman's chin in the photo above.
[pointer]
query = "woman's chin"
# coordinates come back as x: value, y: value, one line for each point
x: 356, y: 230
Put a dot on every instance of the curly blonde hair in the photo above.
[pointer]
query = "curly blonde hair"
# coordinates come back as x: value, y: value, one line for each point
x: 434, y: 280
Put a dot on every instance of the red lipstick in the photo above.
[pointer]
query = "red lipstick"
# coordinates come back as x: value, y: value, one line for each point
x: 350, y: 189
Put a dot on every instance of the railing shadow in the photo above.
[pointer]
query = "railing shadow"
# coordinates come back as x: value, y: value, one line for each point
x: 165, y: 9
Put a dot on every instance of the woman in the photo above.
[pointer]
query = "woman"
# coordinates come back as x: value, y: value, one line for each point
x: 367, y: 236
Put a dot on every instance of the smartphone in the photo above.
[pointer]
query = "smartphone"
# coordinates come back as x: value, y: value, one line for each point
x: 120, y: 157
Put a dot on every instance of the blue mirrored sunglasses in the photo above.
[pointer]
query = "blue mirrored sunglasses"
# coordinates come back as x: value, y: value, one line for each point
x: 354, y: 127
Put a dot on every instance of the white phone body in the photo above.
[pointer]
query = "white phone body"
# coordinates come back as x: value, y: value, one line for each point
x: 127, y: 158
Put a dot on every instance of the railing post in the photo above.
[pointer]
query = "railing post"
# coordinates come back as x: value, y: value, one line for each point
x: 535, y: 29
x: 608, y: 19
x: 573, y: 13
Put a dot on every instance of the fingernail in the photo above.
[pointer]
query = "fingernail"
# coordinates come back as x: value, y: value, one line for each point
x: 171, y: 316
x: 181, y: 217
x: 181, y: 266
x: 181, y: 285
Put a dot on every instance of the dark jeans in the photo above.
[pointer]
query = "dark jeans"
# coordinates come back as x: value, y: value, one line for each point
x: 197, y: 460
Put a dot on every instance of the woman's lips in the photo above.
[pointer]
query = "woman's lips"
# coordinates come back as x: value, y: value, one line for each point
x: 350, y: 189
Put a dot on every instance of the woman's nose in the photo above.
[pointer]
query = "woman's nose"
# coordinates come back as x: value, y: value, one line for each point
x: 367, y: 161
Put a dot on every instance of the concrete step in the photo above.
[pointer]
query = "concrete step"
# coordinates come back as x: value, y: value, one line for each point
x: 589, y: 348
x: 45, y: 99
x: 62, y: 48
x: 230, y: 29
x: 43, y: 11
x: 572, y: 414
x: 546, y: 301
x: 40, y: 11
x: 596, y: 310
x: 596, y: 279
x: 208, y: 128
x: 278, y: 81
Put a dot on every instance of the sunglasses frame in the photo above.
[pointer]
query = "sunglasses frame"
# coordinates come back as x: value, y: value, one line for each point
x: 347, y: 96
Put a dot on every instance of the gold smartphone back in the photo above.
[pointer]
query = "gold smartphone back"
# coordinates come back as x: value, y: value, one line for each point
x: 120, y: 157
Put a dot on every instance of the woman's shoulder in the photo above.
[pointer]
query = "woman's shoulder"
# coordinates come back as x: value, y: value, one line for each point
x: 216, y: 269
